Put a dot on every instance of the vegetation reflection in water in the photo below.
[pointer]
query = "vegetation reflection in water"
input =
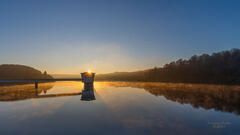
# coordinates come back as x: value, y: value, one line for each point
x: 27, y: 91
x: 121, y: 108
x: 219, y: 97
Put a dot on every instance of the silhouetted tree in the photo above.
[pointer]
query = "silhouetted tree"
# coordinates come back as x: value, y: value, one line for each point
x: 45, y: 73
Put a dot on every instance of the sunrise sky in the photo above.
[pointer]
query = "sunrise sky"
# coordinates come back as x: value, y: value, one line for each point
x: 73, y: 36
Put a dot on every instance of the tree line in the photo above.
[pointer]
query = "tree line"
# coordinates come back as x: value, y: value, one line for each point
x: 218, y: 68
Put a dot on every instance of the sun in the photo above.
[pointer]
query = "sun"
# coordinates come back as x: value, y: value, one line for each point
x: 89, y: 71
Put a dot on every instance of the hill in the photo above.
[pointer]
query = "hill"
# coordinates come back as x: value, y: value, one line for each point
x: 57, y: 76
x: 10, y: 71
x: 217, y: 68
x: 122, y: 76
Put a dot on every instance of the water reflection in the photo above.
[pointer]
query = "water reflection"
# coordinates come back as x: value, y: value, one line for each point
x: 27, y: 91
x: 218, y: 97
x: 129, y: 108
x: 88, y: 94
x: 22, y: 92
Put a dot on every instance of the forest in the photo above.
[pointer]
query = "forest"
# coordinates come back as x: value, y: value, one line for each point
x: 218, y: 68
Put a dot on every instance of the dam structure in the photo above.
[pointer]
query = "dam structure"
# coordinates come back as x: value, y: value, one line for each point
x: 88, y: 79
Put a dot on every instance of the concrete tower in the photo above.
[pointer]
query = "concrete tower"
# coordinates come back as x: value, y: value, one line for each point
x: 88, y: 79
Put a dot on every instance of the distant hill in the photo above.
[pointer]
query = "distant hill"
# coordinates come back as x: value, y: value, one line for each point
x: 10, y: 71
x: 57, y: 76
x: 217, y: 68
x: 122, y: 76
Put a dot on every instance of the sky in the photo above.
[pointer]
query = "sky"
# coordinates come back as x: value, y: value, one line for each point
x: 72, y: 36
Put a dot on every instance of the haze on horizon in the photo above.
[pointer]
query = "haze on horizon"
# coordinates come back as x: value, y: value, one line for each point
x: 71, y: 36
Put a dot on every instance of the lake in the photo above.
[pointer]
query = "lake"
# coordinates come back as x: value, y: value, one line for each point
x: 117, y: 108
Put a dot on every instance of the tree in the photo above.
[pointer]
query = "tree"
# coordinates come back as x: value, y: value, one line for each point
x: 45, y: 73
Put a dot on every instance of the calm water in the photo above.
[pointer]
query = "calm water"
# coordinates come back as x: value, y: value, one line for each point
x: 120, y: 108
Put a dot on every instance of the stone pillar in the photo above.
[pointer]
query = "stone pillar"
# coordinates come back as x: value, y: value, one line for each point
x: 88, y: 86
x: 36, y: 84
